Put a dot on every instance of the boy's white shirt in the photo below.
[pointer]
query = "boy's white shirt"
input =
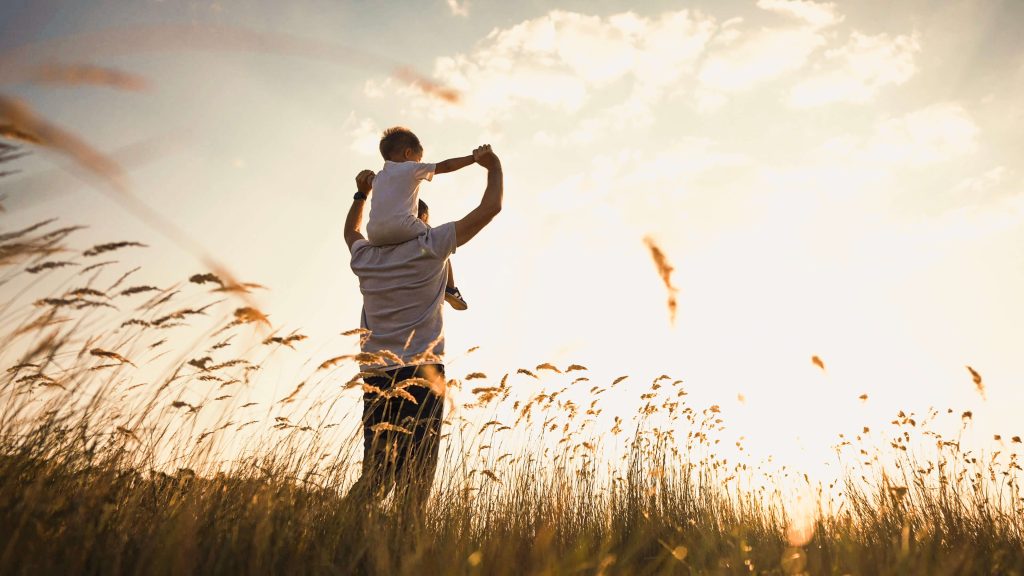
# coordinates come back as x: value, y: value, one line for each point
x: 396, y: 192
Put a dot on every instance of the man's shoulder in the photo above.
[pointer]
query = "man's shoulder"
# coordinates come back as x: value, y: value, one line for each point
x: 440, y: 239
x: 358, y: 245
x: 357, y: 249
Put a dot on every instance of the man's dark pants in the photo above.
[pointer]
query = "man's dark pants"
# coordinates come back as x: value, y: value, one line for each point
x: 401, y: 437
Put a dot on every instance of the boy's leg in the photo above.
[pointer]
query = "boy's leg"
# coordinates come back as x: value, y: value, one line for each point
x: 394, y: 231
x: 451, y: 293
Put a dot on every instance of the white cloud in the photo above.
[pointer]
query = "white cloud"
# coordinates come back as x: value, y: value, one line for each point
x: 708, y: 101
x: 558, y: 61
x: 817, y: 15
x: 748, y: 59
x: 635, y: 185
x: 931, y: 135
x: 764, y: 55
x: 374, y: 88
x: 364, y: 135
x: 976, y: 187
x: 566, y: 62
x: 668, y: 47
x: 856, y: 72
x: 856, y: 178
x: 459, y: 9
x: 663, y: 59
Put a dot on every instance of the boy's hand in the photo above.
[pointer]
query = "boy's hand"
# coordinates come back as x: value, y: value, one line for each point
x: 484, y: 156
x: 480, y: 151
x: 364, y: 181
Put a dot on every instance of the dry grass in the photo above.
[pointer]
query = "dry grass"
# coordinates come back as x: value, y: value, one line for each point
x: 665, y: 271
x: 133, y: 439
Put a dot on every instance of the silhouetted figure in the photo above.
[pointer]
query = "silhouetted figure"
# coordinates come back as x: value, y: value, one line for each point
x: 403, y: 288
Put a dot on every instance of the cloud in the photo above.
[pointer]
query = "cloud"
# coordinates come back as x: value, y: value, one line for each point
x: 633, y: 185
x: 557, y: 62
x: 610, y: 73
x: 761, y: 56
x: 815, y: 14
x: 739, y: 61
x: 459, y: 9
x: 982, y: 186
x: 668, y: 47
x: 364, y: 135
x: 856, y: 180
x: 857, y: 71
x: 932, y: 135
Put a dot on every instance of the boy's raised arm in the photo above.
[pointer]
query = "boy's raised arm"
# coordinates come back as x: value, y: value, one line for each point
x: 453, y: 164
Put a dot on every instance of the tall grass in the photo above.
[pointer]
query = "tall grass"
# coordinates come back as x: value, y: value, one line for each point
x: 134, y: 439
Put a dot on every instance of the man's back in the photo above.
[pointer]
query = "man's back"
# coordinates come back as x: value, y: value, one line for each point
x: 403, y: 292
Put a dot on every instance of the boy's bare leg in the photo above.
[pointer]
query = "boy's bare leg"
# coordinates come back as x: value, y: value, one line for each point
x: 451, y: 293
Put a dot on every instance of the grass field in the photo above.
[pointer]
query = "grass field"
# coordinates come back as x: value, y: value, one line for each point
x: 123, y: 450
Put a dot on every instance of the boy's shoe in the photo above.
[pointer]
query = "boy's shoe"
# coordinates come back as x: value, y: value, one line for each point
x: 454, y: 297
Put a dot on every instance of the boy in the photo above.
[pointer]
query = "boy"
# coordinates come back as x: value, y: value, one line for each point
x: 394, y: 201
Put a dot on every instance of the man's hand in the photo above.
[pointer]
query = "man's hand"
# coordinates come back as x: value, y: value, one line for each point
x: 484, y: 156
x: 354, y: 220
x: 364, y: 181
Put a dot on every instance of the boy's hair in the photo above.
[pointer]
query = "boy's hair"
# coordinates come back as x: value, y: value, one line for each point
x: 422, y: 209
x: 396, y: 139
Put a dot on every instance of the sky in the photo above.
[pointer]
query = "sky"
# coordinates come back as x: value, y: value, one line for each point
x: 840, y: 180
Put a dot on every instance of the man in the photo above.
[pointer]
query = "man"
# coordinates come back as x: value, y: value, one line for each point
x: 403, y: 288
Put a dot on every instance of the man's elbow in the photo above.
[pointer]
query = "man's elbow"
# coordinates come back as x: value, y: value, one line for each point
x: 351, y: 236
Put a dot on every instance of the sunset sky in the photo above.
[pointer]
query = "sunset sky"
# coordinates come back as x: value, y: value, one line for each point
x: 833, y: 179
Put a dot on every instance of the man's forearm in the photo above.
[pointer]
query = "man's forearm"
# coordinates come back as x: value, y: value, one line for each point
x: 490, y: 204
x: 495, y: 191
x: 353, y: 222
x: 453, y: 164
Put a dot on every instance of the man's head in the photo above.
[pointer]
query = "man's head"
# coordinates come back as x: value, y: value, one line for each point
x: 399, y: 144
x: 423, y: 212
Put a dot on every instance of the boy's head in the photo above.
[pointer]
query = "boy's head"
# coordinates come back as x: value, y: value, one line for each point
x: 399, y: 144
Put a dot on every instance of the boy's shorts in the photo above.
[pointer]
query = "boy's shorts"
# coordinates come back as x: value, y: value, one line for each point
x: 395, y: 231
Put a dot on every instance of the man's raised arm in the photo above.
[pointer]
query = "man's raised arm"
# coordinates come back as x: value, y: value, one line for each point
x: 490, y: 204
x: 354, y: 220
